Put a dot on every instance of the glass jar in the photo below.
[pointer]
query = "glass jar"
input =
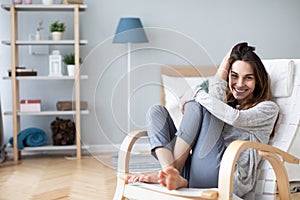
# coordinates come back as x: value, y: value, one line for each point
x: 55, y: 62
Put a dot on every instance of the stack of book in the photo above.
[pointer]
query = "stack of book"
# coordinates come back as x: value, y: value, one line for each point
x: 23, y: 71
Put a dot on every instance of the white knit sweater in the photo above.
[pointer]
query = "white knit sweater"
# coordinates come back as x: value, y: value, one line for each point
x: 255, y: 124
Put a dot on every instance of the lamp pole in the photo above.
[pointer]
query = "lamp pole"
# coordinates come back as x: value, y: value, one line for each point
x: 128, y: 87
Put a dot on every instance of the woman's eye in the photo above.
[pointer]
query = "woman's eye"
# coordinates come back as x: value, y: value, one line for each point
x: 234, y: 76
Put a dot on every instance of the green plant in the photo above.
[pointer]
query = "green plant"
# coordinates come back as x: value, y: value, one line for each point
x: 57, y: 27
x: 69, y: 59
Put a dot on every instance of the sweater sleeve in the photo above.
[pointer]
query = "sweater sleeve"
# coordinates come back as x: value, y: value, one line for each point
x: 258, y: 115
x: 214, y: 86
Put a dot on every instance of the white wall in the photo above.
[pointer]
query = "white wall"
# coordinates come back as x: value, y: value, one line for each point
x: 195, y: 32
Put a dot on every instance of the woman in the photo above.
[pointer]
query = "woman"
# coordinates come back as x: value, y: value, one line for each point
x: 237, y: 106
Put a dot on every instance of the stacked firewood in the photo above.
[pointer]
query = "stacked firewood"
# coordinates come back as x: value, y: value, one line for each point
x: 63, y: 131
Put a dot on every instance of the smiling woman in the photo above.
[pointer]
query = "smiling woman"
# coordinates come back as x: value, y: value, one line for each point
x: 210, y: 123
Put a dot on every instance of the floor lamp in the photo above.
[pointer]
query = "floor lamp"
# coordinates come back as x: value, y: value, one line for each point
x: 130, y: 30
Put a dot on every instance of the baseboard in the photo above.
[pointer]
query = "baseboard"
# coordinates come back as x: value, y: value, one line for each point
x: 109, y: 148
x: 86, y: 149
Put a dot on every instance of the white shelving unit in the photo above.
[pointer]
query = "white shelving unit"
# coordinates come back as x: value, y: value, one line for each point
x: 45, y: 78
x: 14, y: 43
x: 45, y: 42
x: 47, y: 113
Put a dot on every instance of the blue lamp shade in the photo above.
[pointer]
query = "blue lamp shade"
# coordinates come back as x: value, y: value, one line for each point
x: 130, y: 30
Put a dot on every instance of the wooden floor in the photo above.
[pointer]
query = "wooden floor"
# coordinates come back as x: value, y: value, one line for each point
x: 58, y: 177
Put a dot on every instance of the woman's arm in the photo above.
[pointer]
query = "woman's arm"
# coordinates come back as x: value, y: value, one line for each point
x: 223, y: 70
x: 215, y: 89
x: 258, y: 115
x: 217, y: 85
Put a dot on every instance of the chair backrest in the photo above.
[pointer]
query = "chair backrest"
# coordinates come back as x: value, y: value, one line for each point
x: 285, y: 84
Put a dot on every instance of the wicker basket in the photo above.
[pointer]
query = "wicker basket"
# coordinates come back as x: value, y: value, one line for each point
x: 70, y: 105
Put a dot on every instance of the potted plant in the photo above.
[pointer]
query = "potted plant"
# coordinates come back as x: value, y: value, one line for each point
x: 57, y: 28
x: 69, y: 60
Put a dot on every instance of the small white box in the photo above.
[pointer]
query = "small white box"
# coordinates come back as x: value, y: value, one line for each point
x: 32, y: 105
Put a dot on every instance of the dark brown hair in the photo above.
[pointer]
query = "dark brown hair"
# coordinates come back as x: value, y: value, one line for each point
x: 262, y: 89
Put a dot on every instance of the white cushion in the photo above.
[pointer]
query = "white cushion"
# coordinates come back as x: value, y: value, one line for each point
x: 175, y: 88
x: 281, y: 72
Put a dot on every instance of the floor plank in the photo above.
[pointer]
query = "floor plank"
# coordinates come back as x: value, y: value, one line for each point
x: 58, y: 177
x: 55, y: 177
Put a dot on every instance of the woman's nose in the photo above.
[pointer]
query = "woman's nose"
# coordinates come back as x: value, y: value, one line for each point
x: 240, y: 82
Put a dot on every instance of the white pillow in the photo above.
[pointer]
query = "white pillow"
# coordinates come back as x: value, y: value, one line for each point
x: 281, y: 72
x: 175, y: 88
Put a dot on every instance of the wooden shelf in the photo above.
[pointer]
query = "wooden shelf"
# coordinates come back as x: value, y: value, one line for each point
x: 16, y: 43
x: 45, y: 8
x: 50, y: 147
x: 45, y: 78
x: 47, y: 113
x: 45, y: 42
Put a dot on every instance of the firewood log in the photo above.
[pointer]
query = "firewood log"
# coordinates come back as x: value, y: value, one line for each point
x: 63, y: 131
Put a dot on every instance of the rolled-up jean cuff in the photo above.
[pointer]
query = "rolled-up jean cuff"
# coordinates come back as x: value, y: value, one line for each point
x: 157, y: 144
x: 185, y: 137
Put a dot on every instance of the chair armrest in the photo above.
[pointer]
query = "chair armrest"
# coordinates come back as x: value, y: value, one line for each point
x: 123, y: 161
x: 125, y: 149
x: 231, y: 155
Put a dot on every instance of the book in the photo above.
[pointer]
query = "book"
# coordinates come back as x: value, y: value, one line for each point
x: 22, y: 71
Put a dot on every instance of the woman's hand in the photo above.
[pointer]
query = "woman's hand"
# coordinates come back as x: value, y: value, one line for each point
x: 181, y: 106
x: 224, y: 67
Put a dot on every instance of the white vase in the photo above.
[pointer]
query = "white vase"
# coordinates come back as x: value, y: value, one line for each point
x: 71, y: 70
x: 48, y: 2
x: 37, y: 35
x: 57, y: 35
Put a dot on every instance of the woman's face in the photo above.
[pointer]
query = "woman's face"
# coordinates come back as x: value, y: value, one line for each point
x: 241, y: 80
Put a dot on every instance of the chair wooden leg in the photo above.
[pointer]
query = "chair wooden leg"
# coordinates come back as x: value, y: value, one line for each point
x: 270, y: 153
x: 120, y: 188
x: 123, y: 161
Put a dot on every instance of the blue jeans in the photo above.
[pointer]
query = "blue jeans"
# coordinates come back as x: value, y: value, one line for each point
x: 198, y: 128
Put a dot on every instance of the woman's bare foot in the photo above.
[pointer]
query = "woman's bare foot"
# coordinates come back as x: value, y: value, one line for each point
x: 171, y: 179
x: 147, y: 177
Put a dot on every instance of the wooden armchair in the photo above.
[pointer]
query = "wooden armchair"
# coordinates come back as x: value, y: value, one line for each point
x: 275, y: 175
x: 275, y: 156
